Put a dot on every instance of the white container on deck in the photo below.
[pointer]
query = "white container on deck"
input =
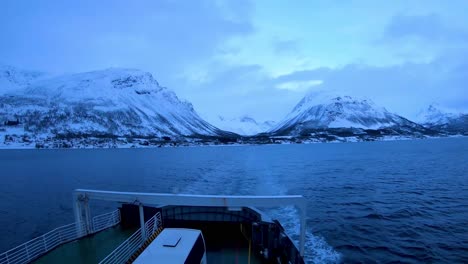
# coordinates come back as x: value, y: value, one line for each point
x: 175, y: 245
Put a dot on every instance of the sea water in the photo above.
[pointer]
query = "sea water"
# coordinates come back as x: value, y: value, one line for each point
x: 371, y: 201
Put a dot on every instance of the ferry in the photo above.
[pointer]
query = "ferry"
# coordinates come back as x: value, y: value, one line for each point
x: 168, y: 228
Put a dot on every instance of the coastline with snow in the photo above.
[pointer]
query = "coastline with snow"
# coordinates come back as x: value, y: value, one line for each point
x: 128, y: 108
x: 27, y: 141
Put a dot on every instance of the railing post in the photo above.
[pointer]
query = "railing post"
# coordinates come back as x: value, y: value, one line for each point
x: 60, y: 236
x: 45, y: 243
x: 89, y: 228
x: 78, y: 212
x: 142, y: 222
x: 27, y: 252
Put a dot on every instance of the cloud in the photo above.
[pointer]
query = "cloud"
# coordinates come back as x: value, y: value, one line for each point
x: 285, y: 46
x: 183, y: 43
x: 161, y: 36
x: 404, y: 89
x: 298, y: 85
x: 305, y: 75
x: 423, y: 27
x: 233, y: 91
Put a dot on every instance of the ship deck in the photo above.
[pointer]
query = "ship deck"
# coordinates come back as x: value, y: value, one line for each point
x: 91, y: 249
x: 233, y: 248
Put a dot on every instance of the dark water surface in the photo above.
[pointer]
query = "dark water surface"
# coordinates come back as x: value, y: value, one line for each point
x: 373, y: 201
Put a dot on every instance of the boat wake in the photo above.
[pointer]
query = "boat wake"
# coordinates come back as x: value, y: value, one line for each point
x: 317, y: 250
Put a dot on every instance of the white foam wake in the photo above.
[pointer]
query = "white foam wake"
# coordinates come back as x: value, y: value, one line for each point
x: 317, y: 250
x: 215, y: 181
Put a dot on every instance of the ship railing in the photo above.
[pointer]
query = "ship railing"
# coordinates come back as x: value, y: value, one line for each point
x: 152, y: 225
x: 39, y: 246
x: 125, y: 250
x: 104, y: 221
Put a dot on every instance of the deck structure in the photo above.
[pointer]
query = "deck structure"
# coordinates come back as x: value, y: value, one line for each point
x: 232, y: 202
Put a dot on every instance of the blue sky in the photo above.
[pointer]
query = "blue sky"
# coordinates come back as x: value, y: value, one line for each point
x: 260, y: 57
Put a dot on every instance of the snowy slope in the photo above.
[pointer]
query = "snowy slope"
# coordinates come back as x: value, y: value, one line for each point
x: 438, y: 118
x: 436, y: 115
x: 245, y: 125
x: 325, y: 111
x: 112, y: 102
x: 12, y: 78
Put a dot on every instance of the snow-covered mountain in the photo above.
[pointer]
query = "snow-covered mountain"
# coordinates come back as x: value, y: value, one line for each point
x: 112, y: 102
x: 324, y: 111
x: 245, y: 125
x: 12, y: 78
x: 437, y: 118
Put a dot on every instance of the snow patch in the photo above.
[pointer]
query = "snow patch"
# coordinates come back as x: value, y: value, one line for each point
x: 245, y: 125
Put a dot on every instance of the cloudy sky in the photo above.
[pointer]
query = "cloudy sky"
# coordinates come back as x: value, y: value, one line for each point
x: 257, y: 57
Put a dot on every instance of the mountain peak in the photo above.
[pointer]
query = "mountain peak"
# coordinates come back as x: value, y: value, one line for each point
x: 244, y: 125
x: 108, y: 83
x: 325, y: 110
x: 117, y: 101
x: 434, y: 114
x: 317, y: 98
x: 440, y: 118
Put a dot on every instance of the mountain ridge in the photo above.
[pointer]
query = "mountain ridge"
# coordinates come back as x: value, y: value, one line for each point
x: 114, y: 102
x: 244, y: 125
x: 341, y: 112
x: 451, y: 122
x: 119, y: 105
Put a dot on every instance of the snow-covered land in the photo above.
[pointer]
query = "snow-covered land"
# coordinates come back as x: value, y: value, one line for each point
x: 128, y: 108
x: 245, y: 125
x: 438, y: 118
x: 330, y: 112
x: 109, y: 103
x: 11, y: 78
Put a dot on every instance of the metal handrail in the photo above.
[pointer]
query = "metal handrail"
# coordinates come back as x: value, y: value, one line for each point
x: 125, y: 250
x: 38, y: 246
x: 104, y: 221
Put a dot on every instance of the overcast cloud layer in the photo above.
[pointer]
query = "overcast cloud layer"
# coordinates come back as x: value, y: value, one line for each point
x: 260, y: 58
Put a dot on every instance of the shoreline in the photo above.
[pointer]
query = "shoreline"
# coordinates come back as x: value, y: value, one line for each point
x: 138, y: 145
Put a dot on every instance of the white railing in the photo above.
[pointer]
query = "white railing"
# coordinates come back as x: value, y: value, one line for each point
x: 104, y: 221
x: 123, y: 252
x: 38, y: 246
x: 152, y: 225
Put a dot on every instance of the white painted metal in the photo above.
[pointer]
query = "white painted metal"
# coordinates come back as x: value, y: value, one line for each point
x: 78, y: 212
x: 152, y: 225
x: 173, y: 245
x: 125, y: 250
x: 87, y: 216
x: 38, y: 246
x: 203, y: 200
x: 104, y: 221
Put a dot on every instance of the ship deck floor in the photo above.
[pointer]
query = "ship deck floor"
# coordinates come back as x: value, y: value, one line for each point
x: 91, y: 249
x: 222, y: 246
